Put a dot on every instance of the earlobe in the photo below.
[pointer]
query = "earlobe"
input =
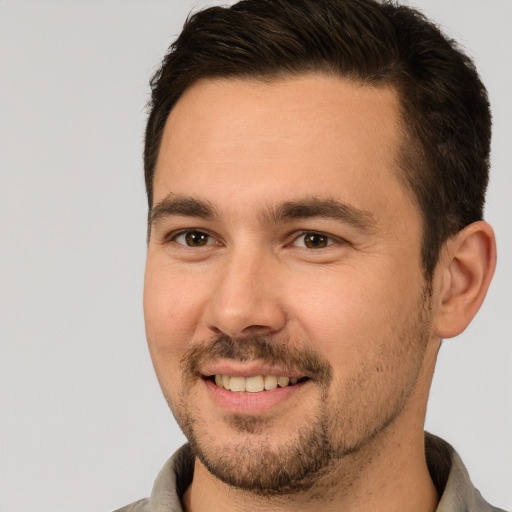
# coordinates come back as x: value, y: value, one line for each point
x: 467, y: 267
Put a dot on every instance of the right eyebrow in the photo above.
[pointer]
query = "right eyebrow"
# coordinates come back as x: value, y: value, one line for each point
x: 176, y: 205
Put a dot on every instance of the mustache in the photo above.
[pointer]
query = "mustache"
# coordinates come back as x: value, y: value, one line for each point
x: 303, y: 361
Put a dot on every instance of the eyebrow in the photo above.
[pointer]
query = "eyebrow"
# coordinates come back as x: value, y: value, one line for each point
x: 309, y: 208
x: 182, y: 206
x: 321, y: 208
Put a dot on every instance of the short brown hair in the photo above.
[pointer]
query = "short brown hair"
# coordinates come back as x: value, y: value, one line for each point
x: 444, y: 106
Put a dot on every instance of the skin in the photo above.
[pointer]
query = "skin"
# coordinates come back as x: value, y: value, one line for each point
x: 356, y: 299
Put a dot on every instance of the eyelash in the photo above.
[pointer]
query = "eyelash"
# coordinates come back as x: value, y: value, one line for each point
x: 329, y: 239
x: 174, y: 236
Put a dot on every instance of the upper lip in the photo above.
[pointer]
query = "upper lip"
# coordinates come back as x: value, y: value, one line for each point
x: 247, y: 369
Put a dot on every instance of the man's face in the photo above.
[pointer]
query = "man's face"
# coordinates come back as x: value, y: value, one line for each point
x: 283, y: 246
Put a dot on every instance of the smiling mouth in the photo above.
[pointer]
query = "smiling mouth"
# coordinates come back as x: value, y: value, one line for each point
x: 255, y: 384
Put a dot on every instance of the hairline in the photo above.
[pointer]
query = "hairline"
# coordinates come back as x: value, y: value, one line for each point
x: 405, y: 137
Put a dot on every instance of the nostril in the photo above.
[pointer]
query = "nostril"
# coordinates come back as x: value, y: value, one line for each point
x: 234, y: 313
x: 255, y: 329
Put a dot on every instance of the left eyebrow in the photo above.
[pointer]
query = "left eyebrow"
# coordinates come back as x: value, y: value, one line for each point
x: 320, y: 208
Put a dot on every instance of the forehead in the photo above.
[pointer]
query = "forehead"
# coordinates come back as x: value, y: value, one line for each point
x: 298, y: 137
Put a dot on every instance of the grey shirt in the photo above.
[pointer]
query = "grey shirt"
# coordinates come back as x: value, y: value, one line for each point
x: 446, y: 469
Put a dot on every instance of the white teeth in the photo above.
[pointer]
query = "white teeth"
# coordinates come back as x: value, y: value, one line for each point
x: 282, y: 382
x: 270, y: 382
x: 237, y: 383
x: 255, y: 384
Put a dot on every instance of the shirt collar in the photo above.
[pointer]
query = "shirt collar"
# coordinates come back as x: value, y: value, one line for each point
x: 447, y: 471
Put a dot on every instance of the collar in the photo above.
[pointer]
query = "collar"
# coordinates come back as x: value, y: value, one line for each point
x: 446, y: 469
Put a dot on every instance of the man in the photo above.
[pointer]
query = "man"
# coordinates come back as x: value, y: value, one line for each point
x: 316, y: 172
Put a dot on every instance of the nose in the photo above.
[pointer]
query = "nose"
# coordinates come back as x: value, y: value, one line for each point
x: 246, y: 299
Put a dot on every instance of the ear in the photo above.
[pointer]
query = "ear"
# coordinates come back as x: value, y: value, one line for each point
x: 465, y: 272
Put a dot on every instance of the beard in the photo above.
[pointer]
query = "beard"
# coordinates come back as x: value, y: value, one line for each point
x: 345, y: 418
x: 266, y: 471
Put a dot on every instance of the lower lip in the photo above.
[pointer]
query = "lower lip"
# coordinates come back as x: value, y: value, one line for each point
x: 252, y: 403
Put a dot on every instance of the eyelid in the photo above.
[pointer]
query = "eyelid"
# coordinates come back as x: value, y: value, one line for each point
x: 173, y: 235
x: 332, y: 239
x: 215, y: 240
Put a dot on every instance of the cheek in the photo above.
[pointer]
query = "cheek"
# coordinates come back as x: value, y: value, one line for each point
x: 170, y: 314
x: 347, y: 313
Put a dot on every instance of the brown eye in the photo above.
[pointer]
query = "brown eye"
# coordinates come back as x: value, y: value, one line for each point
x: 315, y: 241
x: 193, y: 239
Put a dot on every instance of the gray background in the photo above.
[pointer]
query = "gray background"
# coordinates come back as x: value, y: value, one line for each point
x: 83, y: 425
